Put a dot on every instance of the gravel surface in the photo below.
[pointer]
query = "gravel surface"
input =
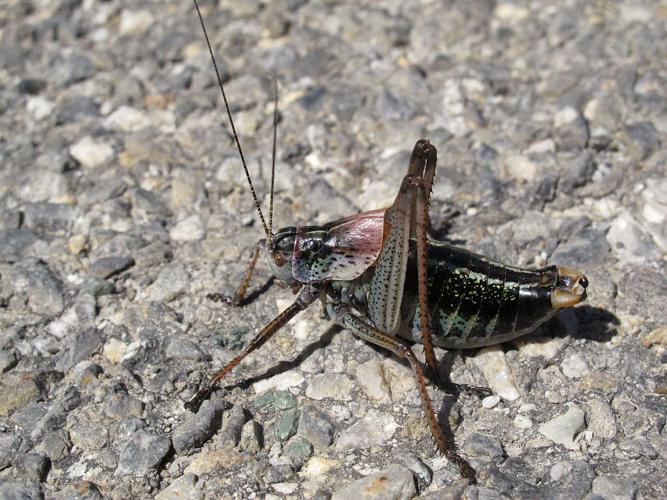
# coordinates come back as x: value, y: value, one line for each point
x: 123, y: 207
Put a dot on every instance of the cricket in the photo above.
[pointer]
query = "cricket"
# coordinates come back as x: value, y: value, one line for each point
x: 380, y: 275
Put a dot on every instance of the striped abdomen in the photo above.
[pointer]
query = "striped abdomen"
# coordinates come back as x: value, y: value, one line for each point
x: 475, y: 301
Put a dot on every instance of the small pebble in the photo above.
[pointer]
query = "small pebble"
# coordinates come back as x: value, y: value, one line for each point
x: 375, y: 428
x: 490, y: 402
x: 143, y: 452
x: 335, y: 386
x: 392, y: 483
x: 564, y: 428
x: 492, y: 362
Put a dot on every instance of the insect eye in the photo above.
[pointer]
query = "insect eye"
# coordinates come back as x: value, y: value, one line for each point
x: 279, y: 259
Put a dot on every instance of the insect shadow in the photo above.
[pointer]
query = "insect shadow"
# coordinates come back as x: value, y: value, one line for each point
x: 321, y: 343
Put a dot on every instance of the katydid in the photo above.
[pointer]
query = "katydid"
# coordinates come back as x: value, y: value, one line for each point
x: 380, y: 275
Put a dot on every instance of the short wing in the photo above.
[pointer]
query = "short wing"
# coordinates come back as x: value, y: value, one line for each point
x: 347, y: 247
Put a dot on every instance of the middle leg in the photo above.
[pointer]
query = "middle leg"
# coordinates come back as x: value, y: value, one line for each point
x: 362, y: 329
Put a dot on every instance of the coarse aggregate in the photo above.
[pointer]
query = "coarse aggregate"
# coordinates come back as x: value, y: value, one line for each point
x: 123, y: 208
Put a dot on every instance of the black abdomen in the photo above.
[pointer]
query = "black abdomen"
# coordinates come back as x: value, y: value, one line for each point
x: 475, y: 301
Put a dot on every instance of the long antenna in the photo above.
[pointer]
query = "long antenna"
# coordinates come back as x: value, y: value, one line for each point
x: 273, y: 154
x: 231, y: 122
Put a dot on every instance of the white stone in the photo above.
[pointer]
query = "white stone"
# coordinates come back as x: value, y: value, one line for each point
x: 520, y: 167
x: 395, y: 482
x: 490, y: 402
x: 183, y: 487
x: 336, y: 386
x: 506, y: 11
x: 654, y: 212
x: 491, y: 360
x: 279, y: 382
x: 317, y: 467
x: 127, y: 119
x: 114, y: 350
x: 285, y: 488
x: 91, y: 152
x: 135, y: 22
x: 523, y: 422
x: 375, y: 428
x: 370, y: 376
x: 189, y: 229
x: 565, y: 116
x: 563, y: 429
x: 546, y: 347
x: 39, y: 107
x: 575, y: 366
x: 629, y: 240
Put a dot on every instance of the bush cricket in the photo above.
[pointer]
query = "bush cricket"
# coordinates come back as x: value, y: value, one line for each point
x: 379, y: 275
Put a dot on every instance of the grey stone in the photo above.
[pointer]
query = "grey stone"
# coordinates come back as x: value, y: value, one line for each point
x: 106, y: 267
x: 121, y: 405
x: 8, y: 360
x: 75, y: 108
x: 638, y: 448
x: 252, y: 437
x: 16, y: 389
x: 56, y: 444
x: 84, y: 345
x: 189, y: 229
x: 21, y: 490
x: 575, y: 366
x: 287, y: 423
x: 9, y: 446
x: 170, y: 283
x: 279, y: 474
x: 80, y: 67
x: 573, y: 480
x: 613, y: 488
x: 578, y: 173
x: 571, y: 130
x: 233, y: 424
x: 196, y: 429
x: 16, y: 242
x: 334, y: 385
x: 42, y: 287
x: 32, y: 467
x: 600, y: 418
x: 31, y: 86
x: 86, y: 372
x: 423, y: 474
x: 144, y: 452
x: 298, y: 448
x: 179, y: 347
x: 49, y: 217
x: 316, y: 427
x: 479, y: 445
x: 395, y: 482
x: 642, y: 139
x: 89, y: 435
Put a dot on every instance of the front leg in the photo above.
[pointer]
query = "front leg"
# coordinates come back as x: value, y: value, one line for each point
x: 307, y: 296
x: 362, y: 329
x: 240, y: 295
